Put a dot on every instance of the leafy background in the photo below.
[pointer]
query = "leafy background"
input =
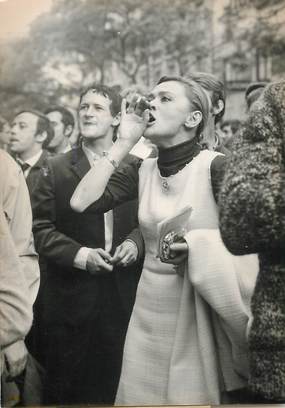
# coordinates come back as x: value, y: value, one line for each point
x: 126, y: 42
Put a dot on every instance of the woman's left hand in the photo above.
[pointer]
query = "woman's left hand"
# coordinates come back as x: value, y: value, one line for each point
x: 178, y: 256
x: 178, y: 253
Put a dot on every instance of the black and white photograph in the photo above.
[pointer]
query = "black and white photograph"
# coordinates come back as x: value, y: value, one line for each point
x: 142, y: 203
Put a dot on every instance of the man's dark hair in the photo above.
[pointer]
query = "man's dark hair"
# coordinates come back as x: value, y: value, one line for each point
x: 43, y: 125
x: 108, y: 92
x: 66, y: 115
x: 211, y: 83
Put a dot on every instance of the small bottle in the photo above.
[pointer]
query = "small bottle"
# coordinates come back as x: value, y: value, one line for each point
x: 142, y: 104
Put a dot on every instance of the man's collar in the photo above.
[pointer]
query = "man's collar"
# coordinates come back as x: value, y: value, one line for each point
x: 91, y: 156
x: 67, y: 148
x: 32, y: 160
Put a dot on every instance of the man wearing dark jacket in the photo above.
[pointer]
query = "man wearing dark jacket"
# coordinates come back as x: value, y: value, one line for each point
x: 31, y: 132
x: 87, y: 299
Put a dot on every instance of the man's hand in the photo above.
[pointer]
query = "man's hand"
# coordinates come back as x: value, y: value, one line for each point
x: 125, y: 254
x: 99, y: 262
x: 16, y: 359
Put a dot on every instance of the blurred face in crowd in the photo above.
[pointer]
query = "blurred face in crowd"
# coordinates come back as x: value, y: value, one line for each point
x: 95, y: 118
x: 5, y: 134
x: 170, y: 108
x: 24, y: 134
x: 253, y: 97
x: 253, y: 103
x: 60, y: 130
x: 227, y: 133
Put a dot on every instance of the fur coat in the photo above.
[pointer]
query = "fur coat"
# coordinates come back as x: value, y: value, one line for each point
x: 252, y: 217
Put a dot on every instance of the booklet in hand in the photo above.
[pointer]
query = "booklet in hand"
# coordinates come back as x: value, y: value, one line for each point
x: 170, y: 229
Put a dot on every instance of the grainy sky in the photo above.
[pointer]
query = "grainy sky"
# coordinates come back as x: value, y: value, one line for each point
x: 16, y: 15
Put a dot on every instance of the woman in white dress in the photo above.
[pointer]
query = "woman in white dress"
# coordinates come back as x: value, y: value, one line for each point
x: 186, y: 341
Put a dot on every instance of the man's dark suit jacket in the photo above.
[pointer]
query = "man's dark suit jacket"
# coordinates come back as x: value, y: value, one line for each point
x: 60, y: 232
x: 36, y: 171
x: 72, y: 298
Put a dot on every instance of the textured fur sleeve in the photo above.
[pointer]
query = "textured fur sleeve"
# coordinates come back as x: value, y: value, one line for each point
x: 252, y: 198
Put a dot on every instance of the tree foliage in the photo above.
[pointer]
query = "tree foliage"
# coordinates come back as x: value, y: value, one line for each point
x: 257, y: 28
x: 126, y: 41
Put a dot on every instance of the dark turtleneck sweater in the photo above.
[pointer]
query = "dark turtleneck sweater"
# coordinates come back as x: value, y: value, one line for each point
x: 172, y: 159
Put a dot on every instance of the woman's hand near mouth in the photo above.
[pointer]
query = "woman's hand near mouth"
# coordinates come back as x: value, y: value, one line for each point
x: 132, y: 125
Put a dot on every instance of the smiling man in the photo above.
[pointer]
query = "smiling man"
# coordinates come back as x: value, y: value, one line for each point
x: 88, y: 297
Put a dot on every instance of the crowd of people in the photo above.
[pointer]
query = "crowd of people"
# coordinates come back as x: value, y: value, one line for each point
x: 92, y: 312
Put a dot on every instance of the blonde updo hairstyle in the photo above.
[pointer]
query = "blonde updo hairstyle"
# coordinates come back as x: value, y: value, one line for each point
x: 197, y: 97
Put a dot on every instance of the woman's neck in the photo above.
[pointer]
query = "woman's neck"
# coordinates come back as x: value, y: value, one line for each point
x: 168, y: 141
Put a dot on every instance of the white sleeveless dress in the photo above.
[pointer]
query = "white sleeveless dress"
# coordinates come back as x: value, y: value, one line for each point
x: 186, y: 341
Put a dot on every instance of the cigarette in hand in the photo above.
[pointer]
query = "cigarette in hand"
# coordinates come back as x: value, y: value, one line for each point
x: 179, y: 247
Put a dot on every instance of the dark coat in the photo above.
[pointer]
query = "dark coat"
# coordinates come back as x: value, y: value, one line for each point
x: 34, y: 174
x: 60, y: 232
x: 85, y: 316
x: 252, y: 216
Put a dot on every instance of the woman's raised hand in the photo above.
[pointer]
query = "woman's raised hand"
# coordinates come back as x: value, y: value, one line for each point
x: 133, y: 121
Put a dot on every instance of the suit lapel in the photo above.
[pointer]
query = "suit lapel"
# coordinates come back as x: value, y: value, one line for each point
x: 38, y: 166
x: 42, y: 160
x: 80, y: 163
